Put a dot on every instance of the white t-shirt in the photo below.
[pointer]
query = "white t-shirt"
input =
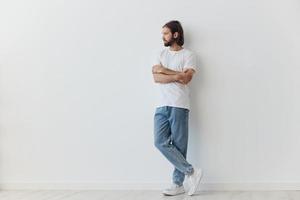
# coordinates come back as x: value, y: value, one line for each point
x: 175, y: 94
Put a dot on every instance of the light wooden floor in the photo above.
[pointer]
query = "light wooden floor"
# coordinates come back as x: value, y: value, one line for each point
x: 143, y: 195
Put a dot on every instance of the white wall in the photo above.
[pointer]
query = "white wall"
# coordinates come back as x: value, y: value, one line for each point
x: 77, y: 96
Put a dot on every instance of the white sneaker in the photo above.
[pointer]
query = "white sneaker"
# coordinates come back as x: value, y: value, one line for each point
x: 174, y: 190
x: 194, y: 180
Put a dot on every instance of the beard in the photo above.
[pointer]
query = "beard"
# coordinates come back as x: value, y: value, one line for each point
x: 169, y: 43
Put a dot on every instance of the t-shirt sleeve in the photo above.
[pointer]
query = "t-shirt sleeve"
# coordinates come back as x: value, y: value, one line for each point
x: 191, y: 62
x: 156, y: 59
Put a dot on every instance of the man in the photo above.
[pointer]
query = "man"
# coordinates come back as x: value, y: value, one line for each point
x: 172, y: 70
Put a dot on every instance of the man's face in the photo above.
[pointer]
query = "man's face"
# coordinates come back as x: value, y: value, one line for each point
x: 168, y: 37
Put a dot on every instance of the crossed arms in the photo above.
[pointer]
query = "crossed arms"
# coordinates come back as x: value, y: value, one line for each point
x: 162, y: 74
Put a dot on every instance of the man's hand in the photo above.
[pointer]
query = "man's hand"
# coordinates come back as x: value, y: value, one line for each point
x: 186, y: 76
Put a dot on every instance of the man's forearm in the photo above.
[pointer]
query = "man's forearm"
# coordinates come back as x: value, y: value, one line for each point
x: 169, y: 71
x: 162, y: 74
x: 164, y: 78
x: 163, y: 70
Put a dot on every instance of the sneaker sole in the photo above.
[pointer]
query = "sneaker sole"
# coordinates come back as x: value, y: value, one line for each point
x: 193, y: 189
x: 168, y: 194
x: 173, y: 194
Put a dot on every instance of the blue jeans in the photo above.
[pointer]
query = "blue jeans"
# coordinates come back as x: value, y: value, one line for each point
x: 171, y: 139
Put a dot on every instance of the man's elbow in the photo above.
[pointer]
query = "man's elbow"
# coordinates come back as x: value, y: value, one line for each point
x: 153, y: 70
x: 157, y: 69
x: 155, y: 78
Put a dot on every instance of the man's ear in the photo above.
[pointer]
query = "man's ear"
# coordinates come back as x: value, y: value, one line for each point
x: 175, y: 35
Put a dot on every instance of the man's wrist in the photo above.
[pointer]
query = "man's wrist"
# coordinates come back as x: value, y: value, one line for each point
x: 176, y: 77
x: 180, y: 77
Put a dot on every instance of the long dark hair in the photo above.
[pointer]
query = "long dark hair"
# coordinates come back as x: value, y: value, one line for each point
x: 175, y: 26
